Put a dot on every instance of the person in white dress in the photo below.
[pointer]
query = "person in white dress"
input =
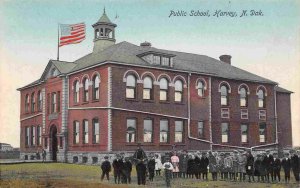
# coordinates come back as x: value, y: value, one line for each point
x: 158, y: 164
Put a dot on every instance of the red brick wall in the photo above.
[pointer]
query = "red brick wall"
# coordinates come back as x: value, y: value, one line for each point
x: 284, y: 119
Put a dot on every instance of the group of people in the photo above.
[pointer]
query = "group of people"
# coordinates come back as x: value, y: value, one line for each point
x: 235, y: 166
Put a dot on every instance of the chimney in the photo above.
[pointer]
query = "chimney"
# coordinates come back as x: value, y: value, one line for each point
x: 225, y: 59
x: 145, y: 44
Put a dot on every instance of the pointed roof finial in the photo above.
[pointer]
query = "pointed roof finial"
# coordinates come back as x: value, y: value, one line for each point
x: 104, y: 10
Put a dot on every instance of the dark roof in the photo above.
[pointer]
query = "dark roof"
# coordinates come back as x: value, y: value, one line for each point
x: 126, y: 52
x: 282, y: 90
x: 63, y: 66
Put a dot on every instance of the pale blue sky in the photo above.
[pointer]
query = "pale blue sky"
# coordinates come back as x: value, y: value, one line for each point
x: 267, y: 45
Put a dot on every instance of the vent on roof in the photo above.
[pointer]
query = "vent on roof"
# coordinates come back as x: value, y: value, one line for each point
x: 145, y: 44
x: 225, y: 59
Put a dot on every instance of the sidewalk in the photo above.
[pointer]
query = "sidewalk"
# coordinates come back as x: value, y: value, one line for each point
x: 18, y: 161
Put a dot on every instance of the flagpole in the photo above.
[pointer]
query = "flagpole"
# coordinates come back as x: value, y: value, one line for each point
x: 57, y: 42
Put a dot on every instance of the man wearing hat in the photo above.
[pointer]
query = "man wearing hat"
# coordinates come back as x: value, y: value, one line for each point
x: 242, y: 160
x: 106, y: 168
x: 204, y: 162
x: 295, y: 164
x: 235, y: 165
x: 183, y: 159
x: 126, y: 171
x: 286, y: 165
x: 276, y: 167
x: 250, y: 166
x: 221, y: 165
x: 140, y: 160
x: 228, y: 166
x: 213, y: 166
x: 268, y: 159
x: 117, y: 165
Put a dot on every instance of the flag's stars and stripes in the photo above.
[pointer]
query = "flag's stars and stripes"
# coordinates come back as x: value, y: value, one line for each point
x: 71, y: 33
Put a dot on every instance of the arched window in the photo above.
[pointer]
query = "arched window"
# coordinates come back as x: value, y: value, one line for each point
x: 148, y: 85
x: 224, y: 95
x: 95, y: 130
x: 243, y: 97
x: 200, y: 88
x: 96, y: 83
x: 130, y: 87
x: 178, y: 91
x: 85, y: 89
x: 76, y: 91
x: 163, y: 93
x: 32, y: 102
x: 27, y: 103
x: 261, y: 98
x: 40, y: 101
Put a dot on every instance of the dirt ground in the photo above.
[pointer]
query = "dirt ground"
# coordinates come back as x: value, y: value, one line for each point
x: 72, y: 175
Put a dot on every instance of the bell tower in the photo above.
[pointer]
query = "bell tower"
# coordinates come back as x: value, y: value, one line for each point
x: 104, y: 33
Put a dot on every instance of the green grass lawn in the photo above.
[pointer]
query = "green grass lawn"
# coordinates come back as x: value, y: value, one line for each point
x: 73, y: 175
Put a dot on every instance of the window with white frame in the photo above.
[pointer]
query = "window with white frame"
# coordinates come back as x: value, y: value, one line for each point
x: 76, y: 91
x: 261, y: 98
x: 53, y: 103
x: 178, y: 131
x: 39, y: 135
x: 243, y: 97
x: 76, y: 132
x: 85, y: 90
x: 244, y: 133
x: 148, y: 85
x: 165, y: 61
x: 178, y: 91
x: 244, y: 113
x: 225, y: 113
x: 85, y: 126
x: 200, y: 129
x: 225, y: 132
x: 40, y: 101
x: 27, y: 136
x: 164, y: 131
x: 148, y: 130
x: 32, y: 140
x: 262, y: 114
x: 96, y: 130
x: 200, y: 88
x: 156, y: 59
x: 131, y: 130
x: 262, y: 132
x: 32, y: 102
x: 130, y: 87
x: 224, y: 95
x: 163, y: 93
x: 96, y: 84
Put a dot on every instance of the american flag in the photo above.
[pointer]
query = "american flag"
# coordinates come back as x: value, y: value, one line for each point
x: 71, y: 33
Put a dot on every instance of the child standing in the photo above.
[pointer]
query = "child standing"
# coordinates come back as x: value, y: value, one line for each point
x: 158, y: 165
x: 106, y: 168
x: 168, y: 171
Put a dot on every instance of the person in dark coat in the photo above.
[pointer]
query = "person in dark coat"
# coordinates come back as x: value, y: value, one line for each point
x: 228, y: 166
x: 183, y: 159
x: 264, y: 167
x: 235, y: 165
x: 250, y: 166
x: 260, y: 168
x: 126, y: 170
x: 197, y: 165
x: 151, y: 167
x: 140, y: 160
x: 117, y: 165
x: 190, y: 166
x: 295, y: 164
x: 106, y: 168
x: 204, y: 162
x: 276, y: 167
x: 286, y: 165
x: 221, y: 165
x: 213, y: 166
x: 268, y: 162
x: 44, y: 155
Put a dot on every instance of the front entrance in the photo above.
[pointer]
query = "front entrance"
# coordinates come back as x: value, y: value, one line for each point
x: 53, y: 136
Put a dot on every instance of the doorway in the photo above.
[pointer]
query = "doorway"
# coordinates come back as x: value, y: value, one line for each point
x: 53, y: 136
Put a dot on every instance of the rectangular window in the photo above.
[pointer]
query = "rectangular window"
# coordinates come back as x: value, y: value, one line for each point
x: 165, y: 61
x: 48, y: 103
x: 96, y: 131
x: 200, y: 129
x: 76, y: 132
x: 163, y: 95
x: 244, y: 113
x: 131, y: 130
x: 244, y: 133
x: 164, y: 131
x: 58, y: 101
x: 85, y: 127
x: 61, y: 142
x: 262, y: 132
x: 225, y: 132
x: 224, y: 112
x: 156, y: 60
x: 53, y: 103
x: 32, y: 136
x: 27, y: 138
x: 40, y: 101
x: 147, y: 93
x: 178, y: 131
x: 224, y: 100
x: 39, y: 135
x: 130, y: 92
x: 32, y: 103
x: 46, y: 142
x: 261, y: 103
x: 262, y: 114
x: 148, y: 130
x: 178, y: 96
